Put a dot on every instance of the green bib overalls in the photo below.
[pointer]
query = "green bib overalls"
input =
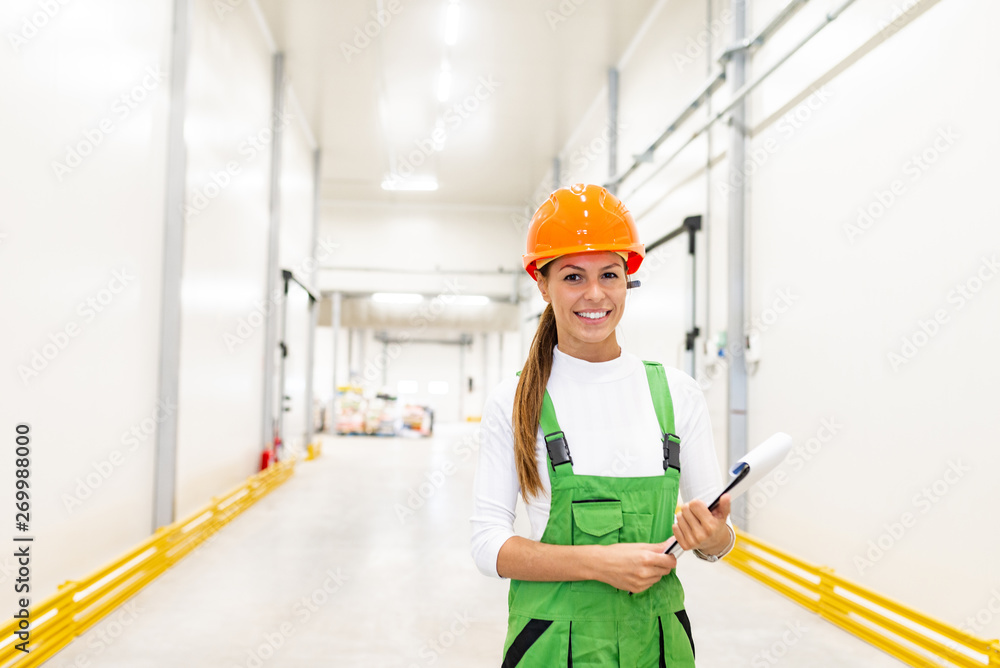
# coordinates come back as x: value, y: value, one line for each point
x: 592, y: 624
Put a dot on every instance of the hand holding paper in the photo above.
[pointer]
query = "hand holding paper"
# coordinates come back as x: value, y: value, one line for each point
x: 747, y: 472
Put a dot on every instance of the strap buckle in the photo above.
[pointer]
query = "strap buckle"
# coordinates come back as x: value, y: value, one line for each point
x: 558, y: 449
x: 671, y: 451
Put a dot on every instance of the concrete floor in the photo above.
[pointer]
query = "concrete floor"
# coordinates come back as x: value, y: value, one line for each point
x: 362, y: 559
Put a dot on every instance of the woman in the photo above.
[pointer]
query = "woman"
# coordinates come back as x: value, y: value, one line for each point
x: 592, y: 586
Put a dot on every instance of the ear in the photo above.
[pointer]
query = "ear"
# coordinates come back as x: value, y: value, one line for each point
x: 543, y: 286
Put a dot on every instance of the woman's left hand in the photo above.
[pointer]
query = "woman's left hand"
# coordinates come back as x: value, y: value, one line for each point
x: 698, y: 527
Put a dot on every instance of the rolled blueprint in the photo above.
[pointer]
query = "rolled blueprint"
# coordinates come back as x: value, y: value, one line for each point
x: 748, y: 471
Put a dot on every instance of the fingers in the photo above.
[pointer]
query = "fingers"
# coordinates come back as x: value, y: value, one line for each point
x: 701, y: 512
x: 682, y: 532
x: 721, y: 511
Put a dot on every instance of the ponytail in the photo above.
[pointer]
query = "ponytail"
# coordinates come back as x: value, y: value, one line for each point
x: 528, y: 403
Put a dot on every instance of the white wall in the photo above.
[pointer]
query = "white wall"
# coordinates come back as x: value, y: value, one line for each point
x: 296, y: 255
x: 831, y: 132
x: 83, y: 193
x: 67, y: 230
x: 221, y: 380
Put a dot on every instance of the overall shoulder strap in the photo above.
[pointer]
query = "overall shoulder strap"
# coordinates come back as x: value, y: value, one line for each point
x: 660, y: 390
x: 664, y: 405
x: 555, y: 440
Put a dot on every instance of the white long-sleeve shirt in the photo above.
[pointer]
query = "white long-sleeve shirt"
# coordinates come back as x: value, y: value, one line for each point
x: 606, y: 412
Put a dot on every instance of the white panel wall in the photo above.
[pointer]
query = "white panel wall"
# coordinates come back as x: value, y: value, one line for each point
x: 81, y: 176
x: 228, y: 131
x: 296, y: 255
x: 880, y: 339
x: 873, y: 357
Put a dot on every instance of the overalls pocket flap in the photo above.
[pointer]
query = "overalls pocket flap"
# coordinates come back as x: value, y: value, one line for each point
x: 598, y: 518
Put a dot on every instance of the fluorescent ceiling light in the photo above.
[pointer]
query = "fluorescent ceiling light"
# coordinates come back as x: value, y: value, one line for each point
x: 472, y: 300
x: 397, y: 297
x: 420, y: 183
x: 451, y: 24
x: 444, y: 84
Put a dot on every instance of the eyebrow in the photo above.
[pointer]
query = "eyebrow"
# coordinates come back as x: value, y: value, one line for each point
x: 573, y: 266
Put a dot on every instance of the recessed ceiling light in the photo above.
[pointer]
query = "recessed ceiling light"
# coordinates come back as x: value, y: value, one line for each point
x: 451, y: 23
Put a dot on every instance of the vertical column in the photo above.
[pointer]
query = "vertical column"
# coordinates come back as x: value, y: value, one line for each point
x: 350, y: 355
x: 335, y: 299
x: 556, y: 172
x: 283, y: 364
x: 313, y: 304
x: 736, y: 76
x: 385, y: 364
x: 486, y: 373
x: 461, y: 379
x: 612, y: 129
x: 500, y: 336
x: 165, y: 457
x: 271, y: 325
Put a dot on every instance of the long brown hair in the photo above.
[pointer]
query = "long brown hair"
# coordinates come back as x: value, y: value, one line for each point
x: 528, y: 402
x: 529, y: 394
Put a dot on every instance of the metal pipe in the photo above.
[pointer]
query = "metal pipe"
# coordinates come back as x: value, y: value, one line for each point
x: 168, y: 382
x: 434, y: 272
x: 762, y: 35
x: 738, y: 96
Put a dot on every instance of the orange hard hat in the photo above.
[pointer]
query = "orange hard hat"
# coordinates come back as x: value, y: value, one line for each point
x: 579, y: 219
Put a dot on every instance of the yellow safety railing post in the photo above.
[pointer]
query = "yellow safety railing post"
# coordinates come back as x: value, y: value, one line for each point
x: 826, y: 605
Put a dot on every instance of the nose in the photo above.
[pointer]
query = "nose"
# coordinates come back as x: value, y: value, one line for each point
x: 595, y: 292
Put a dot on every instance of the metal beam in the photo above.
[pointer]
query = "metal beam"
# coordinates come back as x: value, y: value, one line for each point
x: 612, y: 129
x: 274, y: 238
x: 313, y: 303
x: 737, y: 399
x: 165, y: 454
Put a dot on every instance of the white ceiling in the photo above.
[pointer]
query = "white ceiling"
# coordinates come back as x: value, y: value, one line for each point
x: 549, y: 57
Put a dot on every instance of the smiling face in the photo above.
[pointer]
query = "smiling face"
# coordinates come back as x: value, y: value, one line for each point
x: 587, y: 293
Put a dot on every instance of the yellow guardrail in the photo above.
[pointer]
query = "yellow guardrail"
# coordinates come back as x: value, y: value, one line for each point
x: 78, y: 605
x: 910, y: 636
x: 314, y: 450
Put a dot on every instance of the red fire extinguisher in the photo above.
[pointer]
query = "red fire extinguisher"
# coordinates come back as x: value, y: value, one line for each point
x: 270, y: 455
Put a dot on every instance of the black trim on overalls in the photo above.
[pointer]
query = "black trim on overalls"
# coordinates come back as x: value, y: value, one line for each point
x: 682, y: 617
x: 524, y: 640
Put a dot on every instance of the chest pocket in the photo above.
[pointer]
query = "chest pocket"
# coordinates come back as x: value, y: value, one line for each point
x: 596, y: 523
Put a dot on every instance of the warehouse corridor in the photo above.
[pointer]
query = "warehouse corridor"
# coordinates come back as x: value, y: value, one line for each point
x: 268, y: 269
x: 310, y: 576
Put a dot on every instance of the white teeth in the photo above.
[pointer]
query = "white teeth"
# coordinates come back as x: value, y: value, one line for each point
x: 593, y: 315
